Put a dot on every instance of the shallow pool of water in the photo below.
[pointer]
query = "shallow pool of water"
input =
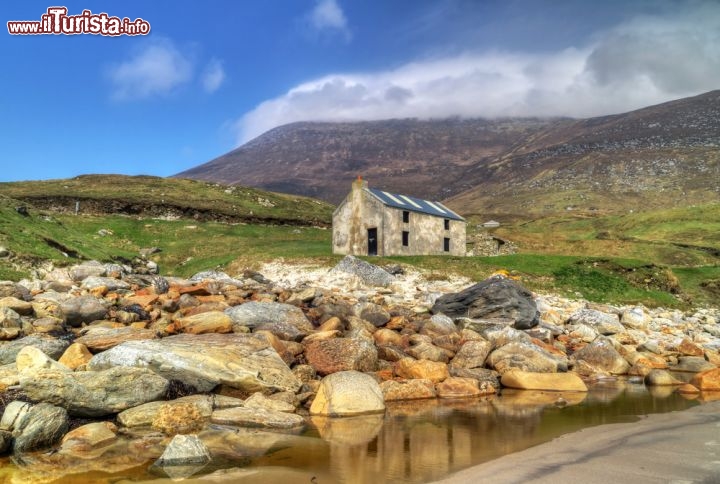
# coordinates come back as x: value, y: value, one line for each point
x: 413, y: 442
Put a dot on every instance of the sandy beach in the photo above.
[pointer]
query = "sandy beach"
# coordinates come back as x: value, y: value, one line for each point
x: 678, y: 447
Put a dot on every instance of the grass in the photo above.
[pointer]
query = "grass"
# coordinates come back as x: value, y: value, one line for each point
x: 608, y: 261
x: 139, y: 194
x: 189, y: 246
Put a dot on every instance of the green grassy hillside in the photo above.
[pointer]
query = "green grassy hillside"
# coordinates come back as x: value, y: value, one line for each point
x: 169, y: 198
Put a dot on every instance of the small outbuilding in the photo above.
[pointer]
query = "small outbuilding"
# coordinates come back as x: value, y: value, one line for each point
x: 374, y: 222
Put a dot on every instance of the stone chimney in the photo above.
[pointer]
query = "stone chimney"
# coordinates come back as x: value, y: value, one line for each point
x: 359, y: 184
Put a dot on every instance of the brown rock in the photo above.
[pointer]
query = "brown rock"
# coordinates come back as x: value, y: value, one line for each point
x: 708, y: 380
x: 320, y: 335
x: 687, y: 389
x: 341, y: 354
x: 100, y: 338
x: 384, y: 336
x: 602, y: 355
x: 407, y: 389
x: 179, y: 418
x: 524, y: 380
x: 428, y: 351
x: 688, y: 348
x: 332, y: 324
x: 21, y: 307
x: 472, y: 354
x: 207, y: 322
x: 455, y: 387
x: 89, y: 437
x: 421, y: 369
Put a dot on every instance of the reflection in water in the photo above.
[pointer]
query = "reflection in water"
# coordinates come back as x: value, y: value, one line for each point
x: 418, y: 441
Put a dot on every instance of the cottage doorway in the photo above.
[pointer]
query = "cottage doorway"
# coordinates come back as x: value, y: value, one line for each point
x: 372, y: 241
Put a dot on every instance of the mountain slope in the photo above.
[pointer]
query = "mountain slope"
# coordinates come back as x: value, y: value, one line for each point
x: 422, y: 158
x: 656, y: 157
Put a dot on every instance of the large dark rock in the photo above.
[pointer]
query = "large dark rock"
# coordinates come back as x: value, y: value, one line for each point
x: 496, y: 297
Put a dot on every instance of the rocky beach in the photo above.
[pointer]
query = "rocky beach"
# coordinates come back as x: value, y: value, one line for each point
x: 107, y: 367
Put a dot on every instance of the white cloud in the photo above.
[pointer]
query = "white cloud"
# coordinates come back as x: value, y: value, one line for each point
x: 158, y: 68
x: 644, y: 61
x: 329, y: 16
x: 213, y: 76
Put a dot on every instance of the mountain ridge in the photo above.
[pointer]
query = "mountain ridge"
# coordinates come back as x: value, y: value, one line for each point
x: 511, y: 167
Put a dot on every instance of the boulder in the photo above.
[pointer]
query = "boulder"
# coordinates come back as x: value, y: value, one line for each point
x: 688, y: 348
x: 708, y: 380
x: 75, y: 356
x: 603, y: 323
x: 257, y: 418
x: 457, y: 387
x: 439, y: 325
x: 89, y: 437
x: 561, y: 382
x: 661, y: 378
x: 421, y: 369
x: 179, y: 418
x: 87, y: 269
x: 243, y: 361
x: 109, y: 283
x: 144, y: 415
x: 348, y: 393
x: 407, y: 389
x: 14, y: 412
x: 693, y: 364
x: 43, y: 426
x: 31, y: 359
x: 496, y: 297
x: 23, y: 308
x: 207, y: 322
x: 428, y: 351
x: 184, y: 450
x: 387, y: 337
x: 482, y: 375
x: 52, y: 347
x: 253, y: 314
x: 9, y: 318
x: 472, y: 354
x: 341, y: 354
x: 258, y: 400
x: 500, y: 335
x: 83, y: 309
x: 635, y: 318
x: 602, y: 355
x: 369, y: 274
x: 526, y: 357
x: 101, y: 338
x: 95, y: 393
x: 372, y: 313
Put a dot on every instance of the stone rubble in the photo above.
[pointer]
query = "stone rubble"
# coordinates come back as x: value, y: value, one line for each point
x: 214, y: 356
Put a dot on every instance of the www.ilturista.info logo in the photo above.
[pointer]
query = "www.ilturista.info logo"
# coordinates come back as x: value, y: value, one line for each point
x: 57, y: 22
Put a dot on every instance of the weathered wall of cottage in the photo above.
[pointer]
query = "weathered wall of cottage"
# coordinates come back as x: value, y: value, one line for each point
x: 353, y: 217
x: 426, y: 234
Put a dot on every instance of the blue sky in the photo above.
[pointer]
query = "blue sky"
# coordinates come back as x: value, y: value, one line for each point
x: 212, y: 75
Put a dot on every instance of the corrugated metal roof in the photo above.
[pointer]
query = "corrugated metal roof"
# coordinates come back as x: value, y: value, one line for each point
x: 413, y: 204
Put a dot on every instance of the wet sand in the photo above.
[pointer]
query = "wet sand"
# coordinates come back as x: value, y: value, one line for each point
x: 677, y: 447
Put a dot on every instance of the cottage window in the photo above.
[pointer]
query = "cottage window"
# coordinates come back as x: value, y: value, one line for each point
x: 446, y: 244
x: 406, y: 216
x: 447, y: 224
x: 405, y: 238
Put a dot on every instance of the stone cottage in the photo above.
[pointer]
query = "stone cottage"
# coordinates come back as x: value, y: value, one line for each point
x: 374, y: 222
